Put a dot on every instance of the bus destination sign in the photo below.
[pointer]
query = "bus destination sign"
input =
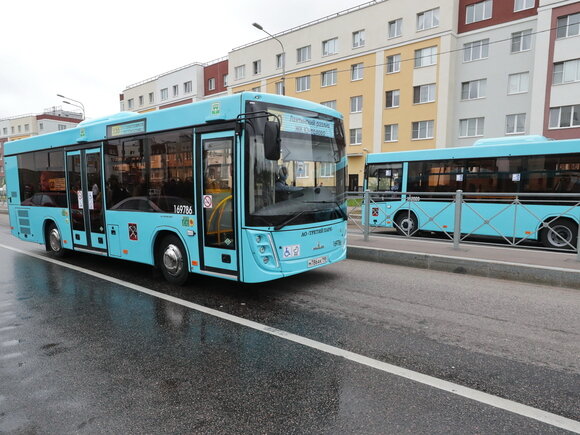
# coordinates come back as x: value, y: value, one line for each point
x: 126, y: 129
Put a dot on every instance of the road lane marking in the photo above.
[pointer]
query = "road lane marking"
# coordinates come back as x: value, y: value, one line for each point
x: 440, y: 384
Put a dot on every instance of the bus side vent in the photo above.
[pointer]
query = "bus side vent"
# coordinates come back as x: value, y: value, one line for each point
x: 24, y: 222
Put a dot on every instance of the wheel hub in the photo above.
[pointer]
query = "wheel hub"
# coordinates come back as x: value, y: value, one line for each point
x: 173, y: 260
x: 560, y: 236
x: 54, y: 240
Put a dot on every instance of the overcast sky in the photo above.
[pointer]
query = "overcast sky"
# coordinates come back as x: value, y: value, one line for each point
x: 91, y: 51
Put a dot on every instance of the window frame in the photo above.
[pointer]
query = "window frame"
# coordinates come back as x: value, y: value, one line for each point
x: 422, y: 58
x: 474, y: 10
x: 304, y: 54
x: 478, y: 86
x: 429, y: 125
x: 479, y: 122
x: 358, y: 38
x: 356, y: 104
x: 422, y: 17
x: 332, y: 75
x: 519, y: 77
x: 483, y: 46
x: 327, y: 43
x: 397, y: 25
x: 523, y: 35
x: 393, y: 131
x: 516, y: 116
x: 301, y: 79
x: 395, y: 63
x: 357, y: 136
x: 431, y: 91
x: 357, y: 69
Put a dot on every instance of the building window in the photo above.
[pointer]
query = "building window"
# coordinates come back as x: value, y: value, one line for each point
x: 280, y: 88
x: 358, y: 39
x: 422, y: 130
x: 130, y: 103
x: 428, y: 19
x: 392, y: 133
x: 188, y: 86
x: 257, y: 89
x: 40, y: 126
x: 328, y: 78
x: 568, y: 26
x: 356, y: 104
x: 518, y: 83
x: 565, y: 116
x: 476, y: 50
x: 424, y: 94
x: 329, y: 47
x: 240, y: 72
x: 393, y: 98
x: 478, y: 11
x: 356, y: 71
x: 425, y: 57
x: 302, y: 83
x: 567, y: 72
x: 141, y: 100
x: 61, y: 127
x: 211, y: 84
x: 395, y: 28
x: 226, y: 76
x: 175, y: 90
x: 257, y: 67
x: 26, y: 127
x: 356, y: 136
x: 164, y: 94
x: 302, y: 170
x: 521, y: 5
x: 331, y: 104
x: 474, y: 89
x: 151, y: 97
x: 19, y: 129
x: 521, y: 41
x: 471, y: 127
x: 280, y: 60
x: 303, y: 54
x: 327, y: 169
x: 393, y: 63
x: 12, y: 130
x: 515, y: 124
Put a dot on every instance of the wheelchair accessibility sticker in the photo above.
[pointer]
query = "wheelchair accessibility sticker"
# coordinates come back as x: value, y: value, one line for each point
x: 290, y: 251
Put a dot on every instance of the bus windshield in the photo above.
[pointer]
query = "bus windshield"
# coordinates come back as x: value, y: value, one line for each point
x: 307, y: 184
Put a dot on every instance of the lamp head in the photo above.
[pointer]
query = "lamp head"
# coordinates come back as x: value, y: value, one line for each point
x: 257, y: 26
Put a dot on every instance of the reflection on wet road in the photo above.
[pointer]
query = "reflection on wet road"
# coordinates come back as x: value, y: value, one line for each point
x: 82, y: 354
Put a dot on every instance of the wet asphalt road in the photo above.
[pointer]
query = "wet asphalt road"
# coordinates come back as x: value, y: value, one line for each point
x: 79, y: 354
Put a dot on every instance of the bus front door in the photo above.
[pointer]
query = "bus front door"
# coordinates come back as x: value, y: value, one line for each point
x: 218, y: 244
x: 84, y: 176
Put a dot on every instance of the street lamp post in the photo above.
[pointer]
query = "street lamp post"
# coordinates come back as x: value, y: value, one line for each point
x: 257, y: 26
x: 79, y: 104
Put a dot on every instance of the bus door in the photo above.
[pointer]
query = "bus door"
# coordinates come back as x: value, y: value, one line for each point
x: 217, y: 202
x: 85, y: 186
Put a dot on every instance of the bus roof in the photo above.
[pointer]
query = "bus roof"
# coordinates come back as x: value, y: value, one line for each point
x: 498, y: 147
x: 129, y: 123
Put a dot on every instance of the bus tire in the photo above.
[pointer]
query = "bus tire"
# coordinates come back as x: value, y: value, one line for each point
x: 172, y: 260
x: 53, y: 241
x: 406, y: 223
x: 563, y: 234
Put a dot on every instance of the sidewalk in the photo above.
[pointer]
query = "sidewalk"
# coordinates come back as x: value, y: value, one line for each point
x: 527, y: 265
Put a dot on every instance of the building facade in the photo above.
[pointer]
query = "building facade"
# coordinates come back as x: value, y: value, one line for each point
x: 428, y: 74
x: 183, y: 85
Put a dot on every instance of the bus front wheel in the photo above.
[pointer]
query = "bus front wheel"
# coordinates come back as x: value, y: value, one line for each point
x: 406, y: 224
x: 53, y: 241
x: 172, y: 260
x: 561, y: 234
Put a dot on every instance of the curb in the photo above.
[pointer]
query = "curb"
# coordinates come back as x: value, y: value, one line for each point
x: 553, y: 276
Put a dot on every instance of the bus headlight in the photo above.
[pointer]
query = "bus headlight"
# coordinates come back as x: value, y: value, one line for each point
x: 263, y: 250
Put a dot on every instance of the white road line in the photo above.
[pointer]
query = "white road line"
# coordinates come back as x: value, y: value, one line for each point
x: 459, y: 390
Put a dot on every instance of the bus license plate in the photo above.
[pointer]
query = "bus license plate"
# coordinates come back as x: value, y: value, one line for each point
x: 317, y: 261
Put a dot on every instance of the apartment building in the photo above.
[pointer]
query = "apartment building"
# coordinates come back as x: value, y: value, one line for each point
x: 183, y: 85
x: 21, y: 126
x: 555, y: 108
x: 426, y: 74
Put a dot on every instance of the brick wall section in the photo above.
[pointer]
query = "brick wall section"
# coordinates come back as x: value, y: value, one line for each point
x: 502, y: 12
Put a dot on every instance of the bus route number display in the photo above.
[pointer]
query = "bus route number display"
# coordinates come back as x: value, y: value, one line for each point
x: 127, y: 128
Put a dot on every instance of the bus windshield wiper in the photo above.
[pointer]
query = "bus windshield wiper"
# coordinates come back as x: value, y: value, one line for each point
x: 290, y: 219
x: 342, y: 213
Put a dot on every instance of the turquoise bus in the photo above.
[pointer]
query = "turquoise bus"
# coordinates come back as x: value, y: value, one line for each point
x: 247, y: 187
x: 519, y: 188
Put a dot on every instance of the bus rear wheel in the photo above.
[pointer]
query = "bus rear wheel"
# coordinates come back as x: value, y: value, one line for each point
x: 406, y: 224
x: 562, y: 234
x: 172, y: 260
x: 53, y: 241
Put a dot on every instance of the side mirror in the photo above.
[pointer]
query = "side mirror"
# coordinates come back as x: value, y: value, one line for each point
x: 272, y: 140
